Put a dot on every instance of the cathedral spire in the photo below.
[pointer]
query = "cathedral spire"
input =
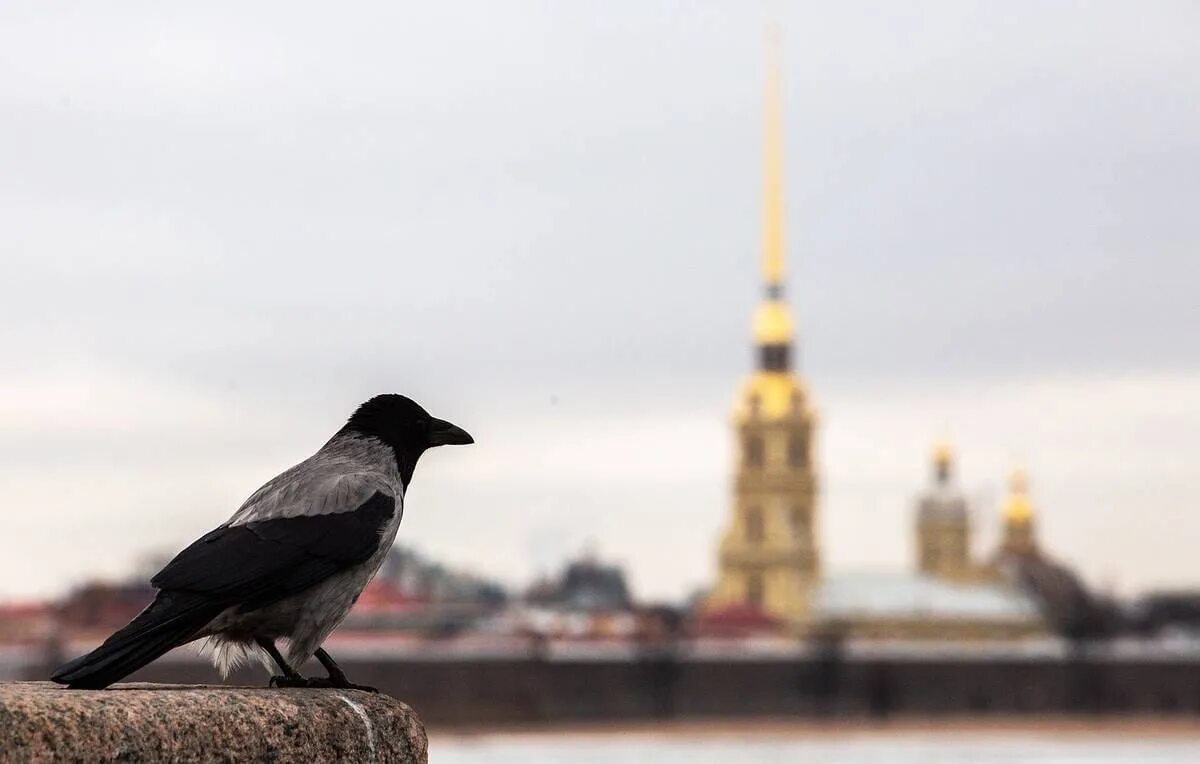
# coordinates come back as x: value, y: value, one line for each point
x: 773, y: 243
x: 773, y: 323
x: 943, y: 461
x: 769, y: 556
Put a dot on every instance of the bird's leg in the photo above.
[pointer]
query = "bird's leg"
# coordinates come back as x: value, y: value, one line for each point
x: 290, y: 677
x: 337, y: 677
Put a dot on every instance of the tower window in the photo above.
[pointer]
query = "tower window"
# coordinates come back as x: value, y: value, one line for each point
x: 797, y: 456
x: 754, y: 590
x: 799, y: 521
x: 754, y: 451
x: 754, y: 525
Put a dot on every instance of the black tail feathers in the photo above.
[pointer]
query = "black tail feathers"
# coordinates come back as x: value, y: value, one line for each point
x: 171, y: 620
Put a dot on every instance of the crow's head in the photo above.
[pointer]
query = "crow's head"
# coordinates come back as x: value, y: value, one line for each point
x: 404, y: 426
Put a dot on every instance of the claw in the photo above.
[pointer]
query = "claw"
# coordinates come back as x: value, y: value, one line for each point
x: 362, y: 687
x: 333, y: 683
x: 320, y: 682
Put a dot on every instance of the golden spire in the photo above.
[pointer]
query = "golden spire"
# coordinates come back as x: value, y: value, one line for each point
x: 1018, y: 510
x: 943, y: 454
x: 943, y: 461
x: 773, y: 248
x: 773, y: 322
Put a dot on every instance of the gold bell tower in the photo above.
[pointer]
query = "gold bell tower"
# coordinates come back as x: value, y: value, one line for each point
x: 943, y: 524
x: 1020, y: 539
x: 768, y: 557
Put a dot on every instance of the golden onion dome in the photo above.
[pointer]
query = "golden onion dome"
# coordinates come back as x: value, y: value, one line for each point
x: 773, y: 324
x: 943, y: 454
x: 1018, y: 509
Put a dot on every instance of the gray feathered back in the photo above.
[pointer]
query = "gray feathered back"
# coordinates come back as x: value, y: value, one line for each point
x: 338, y: 478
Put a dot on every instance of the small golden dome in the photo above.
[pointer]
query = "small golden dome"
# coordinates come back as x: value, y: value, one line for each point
x: 772, y: 324
x: 770, y: 395
x: 943, y: 454
x: 1018, y: 510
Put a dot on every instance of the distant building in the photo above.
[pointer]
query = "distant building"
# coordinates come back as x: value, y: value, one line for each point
x: 949, y: 596
x: 26, y: 623
x: 1166, y: 612
x: 1020, y: 537
x: 413, y: 594
x: 899, y: 606
x: 104, y: 607
x: 411, y: 575
x: 587, y: 601
x: 586, y: 585
x: 769, y: 571
x: 1066, y: 605
x: 769, y: 559
x: 943, y: 524
x: 736, y: 620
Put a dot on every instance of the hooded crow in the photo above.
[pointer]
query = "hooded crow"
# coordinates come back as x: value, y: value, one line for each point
x: 291, y: 561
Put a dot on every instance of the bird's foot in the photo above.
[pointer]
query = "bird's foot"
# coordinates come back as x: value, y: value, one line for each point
x: 362, y: 687
x: 340, y: 683
x: 320, y: 682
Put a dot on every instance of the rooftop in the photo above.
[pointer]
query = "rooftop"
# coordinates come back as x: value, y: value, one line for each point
x: 903, y: 595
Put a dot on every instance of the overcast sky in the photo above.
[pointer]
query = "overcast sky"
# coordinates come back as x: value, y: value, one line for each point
x: 223, y: 225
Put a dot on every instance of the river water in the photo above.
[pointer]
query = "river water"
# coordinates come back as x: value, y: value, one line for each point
x: 875, y: 748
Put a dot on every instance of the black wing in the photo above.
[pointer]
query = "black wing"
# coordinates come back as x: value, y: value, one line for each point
x: 257, y: 563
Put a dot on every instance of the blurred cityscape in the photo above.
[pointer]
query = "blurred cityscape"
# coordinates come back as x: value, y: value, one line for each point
x: 1012, y: 632
x: 1007, y: 629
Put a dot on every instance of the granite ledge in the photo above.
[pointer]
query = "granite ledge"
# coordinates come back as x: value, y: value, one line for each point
x: 160, y: 722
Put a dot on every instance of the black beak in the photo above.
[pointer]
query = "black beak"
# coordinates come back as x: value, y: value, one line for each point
x: 442, y: 433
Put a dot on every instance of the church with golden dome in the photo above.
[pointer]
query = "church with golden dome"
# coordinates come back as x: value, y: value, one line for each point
x: 769, y: 555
